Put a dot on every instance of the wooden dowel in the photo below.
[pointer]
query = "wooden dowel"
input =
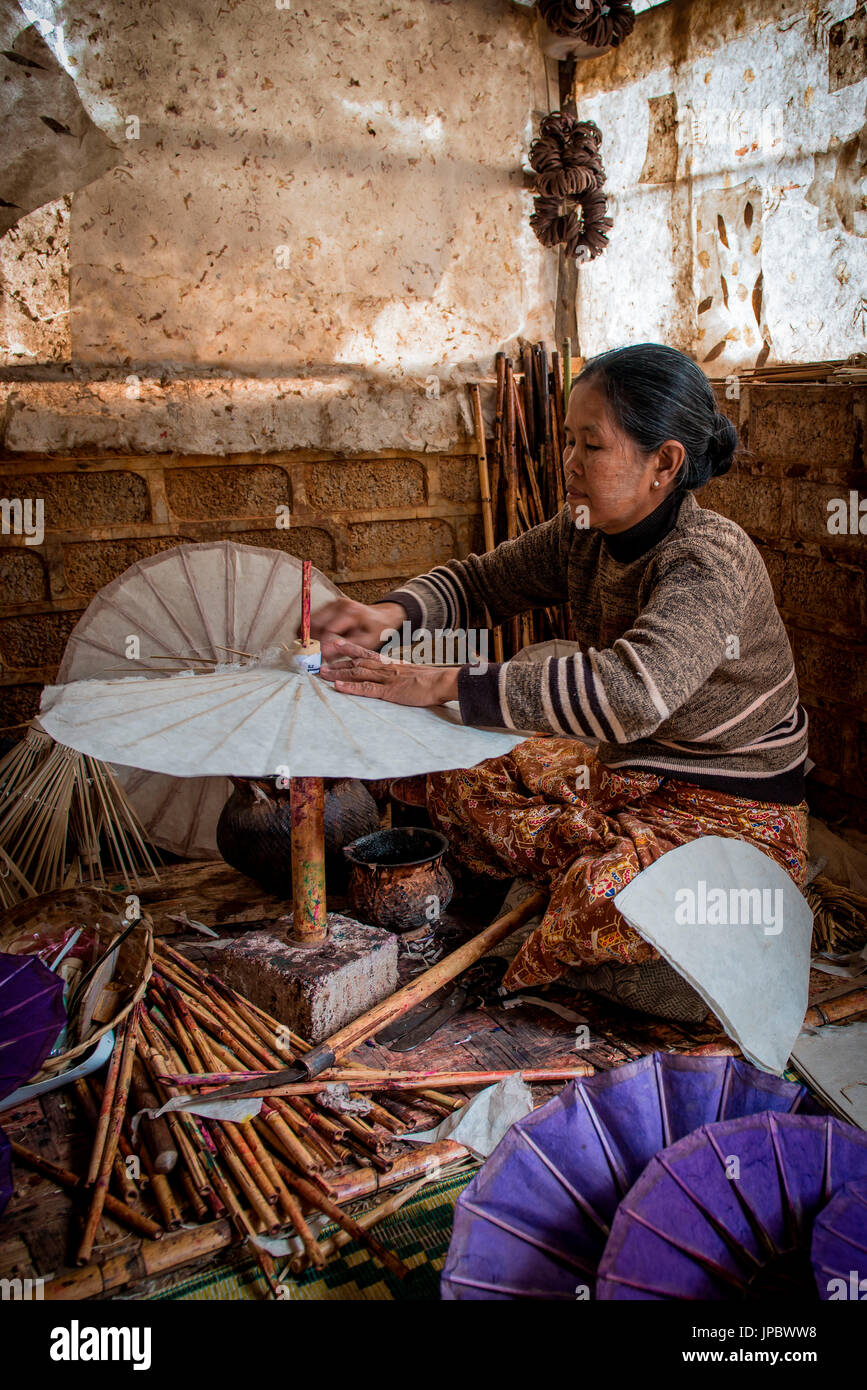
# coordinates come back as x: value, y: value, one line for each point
x: 430, y: 1158
x: 105, y: 1108
x: 118, y: 1109
x: 307, y: 818
x: 411, y: 1081
x: 320, y: 1202
x: 120, y: 1211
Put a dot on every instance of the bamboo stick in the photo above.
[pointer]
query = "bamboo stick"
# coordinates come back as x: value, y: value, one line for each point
x: 366, y: 1220
x: 162, y: 1192
x: 120, y: 1211
x: 105, y: 1108
x: 90, y: 1109
x: 404, y: 1081
x: 307, y: 811
x: 118, y: 1108
x: 317, y: 1199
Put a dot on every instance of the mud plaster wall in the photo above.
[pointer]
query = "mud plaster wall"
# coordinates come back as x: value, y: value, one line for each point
x: 801, y: 446
x: 735, y: 142
x: 307, y: 189
x: 317, y: 233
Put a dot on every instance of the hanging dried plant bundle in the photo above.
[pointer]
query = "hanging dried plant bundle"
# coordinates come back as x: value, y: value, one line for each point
x: 566, y: 156
x: 577, y: 223
x: 569, y: 209
x: 600, y: 23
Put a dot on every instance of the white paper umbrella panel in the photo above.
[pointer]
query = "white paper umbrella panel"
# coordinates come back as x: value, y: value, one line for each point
x: 195, y: 600
x: 254, y: 721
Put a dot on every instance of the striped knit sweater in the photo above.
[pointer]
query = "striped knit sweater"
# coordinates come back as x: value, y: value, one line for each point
x: 685, y: 668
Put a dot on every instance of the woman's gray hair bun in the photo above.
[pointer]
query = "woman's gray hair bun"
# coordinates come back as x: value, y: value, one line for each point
x: 721, y: 445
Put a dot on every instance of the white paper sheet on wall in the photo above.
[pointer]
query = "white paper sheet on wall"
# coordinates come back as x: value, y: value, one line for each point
x: 736, y: 927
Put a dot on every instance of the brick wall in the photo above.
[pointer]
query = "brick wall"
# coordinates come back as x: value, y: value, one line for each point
x: 366, y: 522
x: 801, y: 446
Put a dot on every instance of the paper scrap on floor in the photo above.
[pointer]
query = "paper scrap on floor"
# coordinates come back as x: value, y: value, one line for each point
x: 481, y: 1124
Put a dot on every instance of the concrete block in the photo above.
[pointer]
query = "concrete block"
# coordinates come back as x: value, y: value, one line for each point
x: 35, y: 640
x: 365, y: 485
x: 414, y: 545
x: 313, y: 989
x: 89, y: 565
x: 304, y: 542
x: 22, y: 577
x: 459, y: 478
x: 17, y: 703
x: 240, y: 490
x: 804, y: 421
x: 76, y: 500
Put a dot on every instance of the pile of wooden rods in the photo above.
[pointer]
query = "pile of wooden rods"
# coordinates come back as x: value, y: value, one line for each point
x: 261, y: 1174
x: 296, y: 1156
x: 525, y: 471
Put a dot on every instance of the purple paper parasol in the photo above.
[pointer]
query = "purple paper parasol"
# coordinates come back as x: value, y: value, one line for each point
x: 728, y: 1212
x: 6, y: 1188
x: 31, y: 1017
x: 534, y: 1222
x: 839, y: 1250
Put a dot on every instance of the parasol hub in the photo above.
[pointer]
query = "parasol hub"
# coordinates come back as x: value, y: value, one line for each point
x: 306, y: 656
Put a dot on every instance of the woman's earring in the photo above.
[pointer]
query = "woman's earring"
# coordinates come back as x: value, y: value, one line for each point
x: 655, y: 483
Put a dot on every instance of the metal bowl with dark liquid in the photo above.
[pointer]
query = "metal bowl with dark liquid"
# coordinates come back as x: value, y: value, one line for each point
x: 397, y: 878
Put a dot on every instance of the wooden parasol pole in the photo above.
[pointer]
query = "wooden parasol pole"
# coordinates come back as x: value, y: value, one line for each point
x: 307, y: 823
x: 485, y: 490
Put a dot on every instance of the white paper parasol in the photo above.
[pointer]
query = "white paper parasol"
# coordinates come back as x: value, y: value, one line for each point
x: 259, y: 720
x: 196, y: 600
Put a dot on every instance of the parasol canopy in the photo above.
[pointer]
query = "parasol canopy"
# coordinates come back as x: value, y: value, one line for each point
x: 258, y: 719
x: 193, y: 601
x: 839, y: 1249
x: 728, y: 1212
x: 243, y: 711
x: 578, y: 1156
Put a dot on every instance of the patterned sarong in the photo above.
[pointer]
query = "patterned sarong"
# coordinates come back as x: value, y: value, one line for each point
x: 550, y: 811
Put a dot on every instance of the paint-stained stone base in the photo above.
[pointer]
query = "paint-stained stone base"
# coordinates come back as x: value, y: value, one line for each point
x: 314, y: 990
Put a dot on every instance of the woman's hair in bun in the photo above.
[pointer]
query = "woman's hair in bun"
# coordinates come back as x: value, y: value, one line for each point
x: 721, y: 445
x: 657, y: 393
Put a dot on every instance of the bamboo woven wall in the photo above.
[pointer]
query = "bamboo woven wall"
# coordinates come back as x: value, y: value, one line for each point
x: 365, y: 521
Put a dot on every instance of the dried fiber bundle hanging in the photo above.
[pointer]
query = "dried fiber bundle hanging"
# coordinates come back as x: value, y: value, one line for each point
x: 566, y: 156
x: 578, y: 223
x: 599, y: 23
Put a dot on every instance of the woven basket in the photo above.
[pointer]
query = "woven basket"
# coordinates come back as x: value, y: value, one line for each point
x: 51, y: 915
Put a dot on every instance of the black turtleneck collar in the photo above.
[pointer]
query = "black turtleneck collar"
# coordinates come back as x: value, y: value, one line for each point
x: 626, y: 546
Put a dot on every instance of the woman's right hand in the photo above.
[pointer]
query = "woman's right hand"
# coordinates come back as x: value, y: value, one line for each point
x: 362, y: 623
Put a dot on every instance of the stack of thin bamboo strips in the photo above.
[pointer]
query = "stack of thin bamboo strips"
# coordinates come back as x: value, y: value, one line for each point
x: 296, y: 1156
x: 64, y: 819
x: 524, y: 470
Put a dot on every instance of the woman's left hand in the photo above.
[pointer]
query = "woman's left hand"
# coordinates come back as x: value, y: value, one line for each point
x: 364, y: 672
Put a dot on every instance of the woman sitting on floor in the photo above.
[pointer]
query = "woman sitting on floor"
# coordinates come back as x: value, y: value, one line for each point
x: 685, y: 679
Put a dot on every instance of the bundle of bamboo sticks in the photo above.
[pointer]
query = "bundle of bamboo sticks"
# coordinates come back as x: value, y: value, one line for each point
x: 64, y: 819
x: 524, y: 468
x: 296, y: 1156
